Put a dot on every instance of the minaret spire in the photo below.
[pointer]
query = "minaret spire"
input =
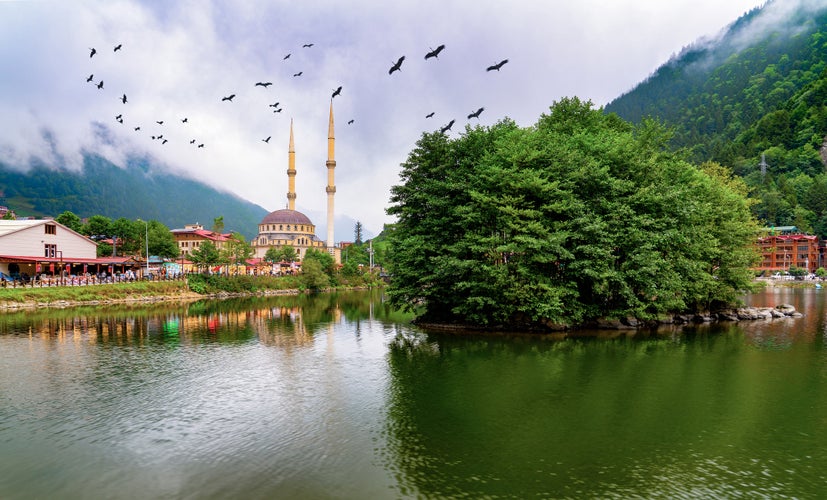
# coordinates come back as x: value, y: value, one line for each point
x: 291, y: 172
x: 331, y: 187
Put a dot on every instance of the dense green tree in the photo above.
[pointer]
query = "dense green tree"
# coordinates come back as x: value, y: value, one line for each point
x: 206, y: 255
x: 128, y: 236
x: 237, y: 250
x: 324, y: 259
x: 218, y: 225
x: 98, y: 227
x: 70, y: 220
x: 161, y: 241
x: 284, y: 254
x: 356, y: 254
x: 580, y: 217
x: 272, y: 255
x: 313, y: 276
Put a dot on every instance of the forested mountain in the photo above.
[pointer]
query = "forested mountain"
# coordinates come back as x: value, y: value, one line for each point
x: 103, y: 188
x: 758, y: 90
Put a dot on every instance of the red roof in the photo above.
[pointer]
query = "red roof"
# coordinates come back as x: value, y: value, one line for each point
x: 67, y: 260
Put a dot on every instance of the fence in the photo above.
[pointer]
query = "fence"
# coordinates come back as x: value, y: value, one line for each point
x: 85, y: 280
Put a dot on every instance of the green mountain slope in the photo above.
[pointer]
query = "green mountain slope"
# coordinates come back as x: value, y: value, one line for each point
x: 102, y: 188
x: 758, y: 91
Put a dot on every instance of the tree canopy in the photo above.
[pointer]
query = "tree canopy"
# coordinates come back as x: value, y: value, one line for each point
x: 582, y: 216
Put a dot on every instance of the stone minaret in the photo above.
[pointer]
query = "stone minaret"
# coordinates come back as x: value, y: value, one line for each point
x: 331, y: 187
x: 291, y: 172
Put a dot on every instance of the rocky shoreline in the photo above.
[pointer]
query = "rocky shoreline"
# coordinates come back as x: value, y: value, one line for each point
x: 732, y: 314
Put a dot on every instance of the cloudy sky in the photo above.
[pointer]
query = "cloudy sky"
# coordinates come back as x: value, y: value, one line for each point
x: 178, y: 59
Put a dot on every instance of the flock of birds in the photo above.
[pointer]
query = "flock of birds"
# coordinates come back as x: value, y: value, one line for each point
x: 395, y: 67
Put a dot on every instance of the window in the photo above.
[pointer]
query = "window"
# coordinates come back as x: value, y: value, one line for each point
x: 50, y: 250
x: 50, y: 229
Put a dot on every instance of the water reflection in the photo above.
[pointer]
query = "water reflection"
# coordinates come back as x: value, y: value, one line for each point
x: 280, y: 320
x: 338, y: 396
x: 724, y: 410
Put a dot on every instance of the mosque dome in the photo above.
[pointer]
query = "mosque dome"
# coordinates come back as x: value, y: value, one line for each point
x: 286, y: 216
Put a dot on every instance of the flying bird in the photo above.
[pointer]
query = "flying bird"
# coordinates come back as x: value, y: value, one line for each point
x: 192, y: 141
x: 91, y: 77
x: 336, y: 92
x: 228, y: 98
x: 447, y: 127
x: 497, y: 66
x: 298, y: 74
x: 185, y: 120
x: 118, y: 47
x: 160, y: 136
x: 201, y: 145
x: 160, y: 122
x: 123, y: 99
x: 476, y: 114
x: 92, y: 51
x: 286, y: 57
x: 276, y: 105
x: 119, y: 117
x: 267, y: 140
x: 164, y: 142
x: 434, y: 52
x: 429, y: 115
x: 100, y: 85
x: 307, y: 45
x: 263, y: 84
x: 397, y: 66
x: 137, y: 129
x: 279, y: 110
x: 350, y: 122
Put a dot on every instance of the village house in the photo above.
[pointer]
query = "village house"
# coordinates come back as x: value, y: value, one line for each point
x: 785, y: 246
x: 192, y: 236
x: 33, y: 247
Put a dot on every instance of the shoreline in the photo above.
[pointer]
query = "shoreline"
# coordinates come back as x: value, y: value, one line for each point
x: 188, y: 296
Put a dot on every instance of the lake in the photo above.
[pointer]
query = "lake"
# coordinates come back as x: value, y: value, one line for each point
x: 338, y: 396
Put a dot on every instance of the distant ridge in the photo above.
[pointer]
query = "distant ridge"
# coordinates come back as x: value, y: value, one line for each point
x: 134, y: 191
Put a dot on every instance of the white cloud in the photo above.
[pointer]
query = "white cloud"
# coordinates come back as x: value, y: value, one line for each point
x: 180, y: 58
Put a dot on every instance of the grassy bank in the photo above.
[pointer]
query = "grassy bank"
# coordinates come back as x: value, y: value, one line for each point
x: 107, y: 292
x: 195, y: 286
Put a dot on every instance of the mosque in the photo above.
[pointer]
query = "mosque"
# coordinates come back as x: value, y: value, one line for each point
x: 289, y: 227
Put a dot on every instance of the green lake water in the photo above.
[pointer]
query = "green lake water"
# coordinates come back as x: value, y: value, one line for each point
x: 338, y: 396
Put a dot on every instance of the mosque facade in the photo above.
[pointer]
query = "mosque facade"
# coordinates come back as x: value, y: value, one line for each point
x: 289, y: 227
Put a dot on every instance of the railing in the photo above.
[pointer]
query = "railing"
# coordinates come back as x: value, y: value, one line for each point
x: 85, y: 280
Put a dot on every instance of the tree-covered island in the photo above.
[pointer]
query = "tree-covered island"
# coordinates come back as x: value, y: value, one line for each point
x: 580, y: 217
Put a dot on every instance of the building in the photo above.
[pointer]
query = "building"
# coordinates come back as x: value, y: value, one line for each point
x: 192, y: 236
x: 289, y: 227
x: 779, y: 252
x: 45, y: 246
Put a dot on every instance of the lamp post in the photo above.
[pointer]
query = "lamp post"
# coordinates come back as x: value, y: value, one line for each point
x: 146, y: 234
x: 60, y: 263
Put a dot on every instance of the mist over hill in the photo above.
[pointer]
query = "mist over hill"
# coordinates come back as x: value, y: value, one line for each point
x: 754, y: 99
x: 137, y: 190
x: 133, y: 191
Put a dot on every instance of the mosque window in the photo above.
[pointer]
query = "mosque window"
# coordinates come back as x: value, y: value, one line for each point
x: 280, y: 227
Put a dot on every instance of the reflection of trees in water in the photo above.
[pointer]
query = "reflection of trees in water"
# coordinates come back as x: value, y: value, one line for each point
x: 487, y: 416
x: 279, y: 320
